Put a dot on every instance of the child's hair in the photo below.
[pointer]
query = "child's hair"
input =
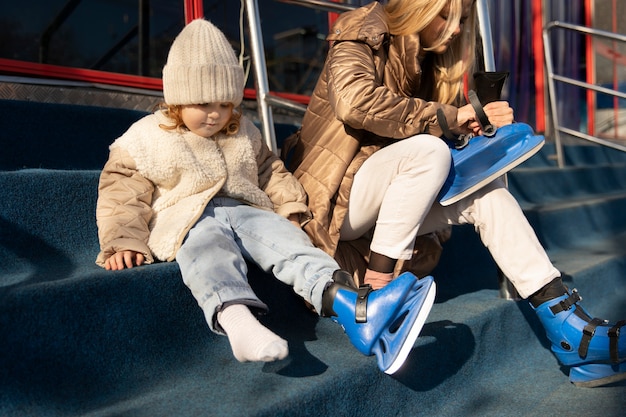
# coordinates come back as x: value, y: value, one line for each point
x: 173, y: 112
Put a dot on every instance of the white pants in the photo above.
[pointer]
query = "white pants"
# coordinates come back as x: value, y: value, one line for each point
x: 395, y: 191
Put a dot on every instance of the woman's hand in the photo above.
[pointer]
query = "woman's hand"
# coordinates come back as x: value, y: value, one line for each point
x: 124, y: 259
x: 499, y: 113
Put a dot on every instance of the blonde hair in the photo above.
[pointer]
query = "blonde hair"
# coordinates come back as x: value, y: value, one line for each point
x: 408, y: 17
x: 173, y: 112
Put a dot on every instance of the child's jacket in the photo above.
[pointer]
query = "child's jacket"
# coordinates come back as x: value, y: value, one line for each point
x: 157, y: 182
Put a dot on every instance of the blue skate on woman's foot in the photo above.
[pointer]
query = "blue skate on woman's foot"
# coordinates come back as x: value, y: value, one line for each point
x: 384, y: 322
x: 594, y: 349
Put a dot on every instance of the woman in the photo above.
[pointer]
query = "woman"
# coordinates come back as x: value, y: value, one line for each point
x: 371, y: 159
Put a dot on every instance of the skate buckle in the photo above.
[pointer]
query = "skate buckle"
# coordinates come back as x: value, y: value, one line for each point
x: 615, y: 330
x: 613, y: 340
x: 588, y: 331
x: 580, y: 297
x: 567, y: 303
x: 462, y: 141
x: 360, y: 309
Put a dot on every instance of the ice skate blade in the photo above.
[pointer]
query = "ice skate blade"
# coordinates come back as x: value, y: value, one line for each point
x: 486, y: 159
x: 416, y: 311
x: 597, y: 374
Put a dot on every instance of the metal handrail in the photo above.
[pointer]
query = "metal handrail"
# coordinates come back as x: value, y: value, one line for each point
x: 552, y: 77
x: 260, y: 70
x: 485, y: 34
x: 265, y: 101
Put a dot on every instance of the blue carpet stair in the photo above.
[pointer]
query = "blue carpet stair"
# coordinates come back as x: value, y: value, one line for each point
x: 76, y: 340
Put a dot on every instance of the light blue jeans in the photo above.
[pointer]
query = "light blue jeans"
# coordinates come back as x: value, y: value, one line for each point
x: 213, y: 257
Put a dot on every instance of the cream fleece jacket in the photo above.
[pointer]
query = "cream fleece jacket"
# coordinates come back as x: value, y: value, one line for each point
x: 156, y: 184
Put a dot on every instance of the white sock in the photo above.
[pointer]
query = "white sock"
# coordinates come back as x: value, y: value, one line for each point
x: 249, y: 339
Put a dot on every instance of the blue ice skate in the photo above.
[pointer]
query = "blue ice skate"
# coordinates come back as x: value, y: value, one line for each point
x: 478, y: 160
x: 485, y: 158
x: 384, y: 322
x: 594, y: 349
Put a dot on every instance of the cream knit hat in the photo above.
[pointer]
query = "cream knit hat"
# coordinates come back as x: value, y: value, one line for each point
x: 202, y: 67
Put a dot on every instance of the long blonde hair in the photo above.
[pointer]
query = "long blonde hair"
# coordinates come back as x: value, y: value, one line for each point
x: 408, y: 17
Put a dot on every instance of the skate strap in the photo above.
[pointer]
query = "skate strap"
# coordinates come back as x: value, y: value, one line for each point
x: 488, y: 129
x: 567, y: 303
x: 360, y: 309
x: 461, y: 141
x: 458, y: 141
x: 613, y: 340
x: 443, y: 124
x: 588, y: 331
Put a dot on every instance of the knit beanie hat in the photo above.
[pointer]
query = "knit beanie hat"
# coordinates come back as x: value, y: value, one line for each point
x: 202, y: 68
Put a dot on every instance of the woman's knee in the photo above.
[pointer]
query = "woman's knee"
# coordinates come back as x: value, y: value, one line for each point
x: 427, y: 150
x: 433, y: 145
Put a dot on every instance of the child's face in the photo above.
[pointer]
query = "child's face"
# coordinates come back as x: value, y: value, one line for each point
x: 206, y: 119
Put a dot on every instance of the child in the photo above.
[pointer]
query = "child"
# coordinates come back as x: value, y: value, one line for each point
x: 195, y: 182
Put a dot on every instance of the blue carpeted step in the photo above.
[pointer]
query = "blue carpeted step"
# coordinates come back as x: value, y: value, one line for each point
x: 564, y: 223
x: 574, y: 203
x: 144, y: 351
x: 590, y: 154
x: 50, y: 212
x: 78, y: 340
x: 544, y: 185
x: 576, y: 155
x: 472, y: 338
x: 59, y: 136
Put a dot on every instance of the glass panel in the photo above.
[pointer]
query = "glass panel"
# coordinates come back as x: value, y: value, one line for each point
x: 293, y: 37
x: 123, y: 36
x: 133, y: 36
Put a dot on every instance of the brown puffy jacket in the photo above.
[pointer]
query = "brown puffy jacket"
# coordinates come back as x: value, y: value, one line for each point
x: 367, y: 97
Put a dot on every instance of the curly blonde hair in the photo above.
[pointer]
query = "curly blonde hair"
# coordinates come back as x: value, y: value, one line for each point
x: 408, y: 17
x: 173, y: 112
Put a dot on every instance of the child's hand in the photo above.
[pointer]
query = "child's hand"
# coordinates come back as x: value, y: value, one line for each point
x: 124, y: 259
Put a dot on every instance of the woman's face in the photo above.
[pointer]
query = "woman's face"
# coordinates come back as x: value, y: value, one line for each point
x: 431, y: 34
x: 206, y: 119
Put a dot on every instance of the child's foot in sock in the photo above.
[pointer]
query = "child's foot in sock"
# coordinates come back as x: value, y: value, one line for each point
x: 249, y: 339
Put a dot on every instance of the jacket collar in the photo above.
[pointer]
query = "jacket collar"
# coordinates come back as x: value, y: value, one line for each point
x: 365, y: 24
